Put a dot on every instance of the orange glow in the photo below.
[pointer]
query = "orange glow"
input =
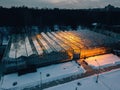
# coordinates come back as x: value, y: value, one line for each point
x: 73, y: 44
x: 93, y: 52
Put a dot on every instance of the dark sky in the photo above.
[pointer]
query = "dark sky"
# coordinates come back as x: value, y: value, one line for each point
x: 60, y: 3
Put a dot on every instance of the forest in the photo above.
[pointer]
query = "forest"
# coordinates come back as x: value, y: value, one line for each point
x: 108, y: 17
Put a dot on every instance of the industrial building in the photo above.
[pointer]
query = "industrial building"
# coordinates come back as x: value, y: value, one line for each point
x: 28, y: 51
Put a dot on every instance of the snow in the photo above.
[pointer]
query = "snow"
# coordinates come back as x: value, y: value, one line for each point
x: 37, y: 46
x: 62, y: 37
x: 106, y: 81
x: 25, y: 79
x: 5, y: 41
x: 51, y: 42
x: 21, y: 50
x: 28, y: 46
x: 63, y: 45
x: 71, y: 38
x: 93, y: 39
x: 56, y: 72
x: 60, y: 71
x: 77, y: 41
x: 12, y: 51
x: 44, y: 44
x: 103, y: 60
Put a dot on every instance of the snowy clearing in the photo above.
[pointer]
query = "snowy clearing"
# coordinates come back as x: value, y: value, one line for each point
x: 103, y: 61
x: 106, y: 81
x: 49, y: 73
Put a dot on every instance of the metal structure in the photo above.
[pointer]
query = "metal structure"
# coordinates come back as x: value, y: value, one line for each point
x: 37, y: 50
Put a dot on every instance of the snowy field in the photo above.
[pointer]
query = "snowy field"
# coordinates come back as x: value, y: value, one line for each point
x: 103, y: 61
x: 45, y: 74
x: 106, y: 81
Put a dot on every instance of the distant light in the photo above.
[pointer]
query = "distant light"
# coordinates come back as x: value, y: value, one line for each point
x: 94, y: 24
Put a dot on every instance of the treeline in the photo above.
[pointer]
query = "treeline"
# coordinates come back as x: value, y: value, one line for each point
x: 24, y: 16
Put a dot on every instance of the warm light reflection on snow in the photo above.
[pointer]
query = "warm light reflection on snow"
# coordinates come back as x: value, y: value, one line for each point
x: 103, y: 60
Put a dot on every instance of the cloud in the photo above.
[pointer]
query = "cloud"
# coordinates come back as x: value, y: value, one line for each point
x: 54, y: 1
x: 60, y: 3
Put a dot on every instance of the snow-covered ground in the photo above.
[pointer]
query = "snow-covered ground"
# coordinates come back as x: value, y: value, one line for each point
x: 106, y: 81
x: 5, y: 41
x: 49, y: 73
x: 103, y: 60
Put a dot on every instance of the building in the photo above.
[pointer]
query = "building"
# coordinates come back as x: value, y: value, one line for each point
x: 27, y: 52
